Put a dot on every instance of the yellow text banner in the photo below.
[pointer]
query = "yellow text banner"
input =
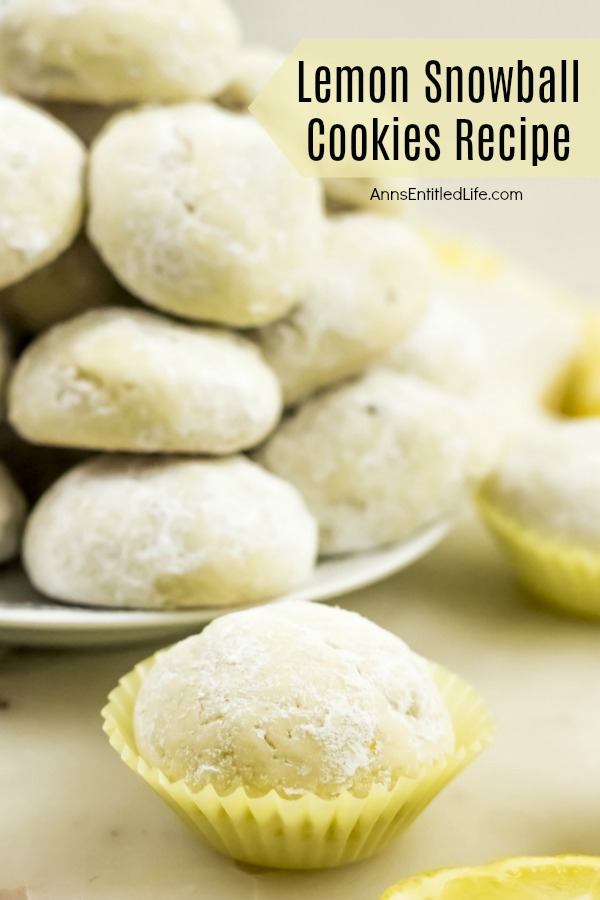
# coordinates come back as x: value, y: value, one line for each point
x: 437, y: 107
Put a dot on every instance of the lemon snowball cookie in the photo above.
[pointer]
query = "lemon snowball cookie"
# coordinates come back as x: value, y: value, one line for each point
x: 119, y: 379
x: 41, y: 186
x: 351, y: 707
x: 12, y: 515
x: 198, y: 213
x: 147, y: 533
x: 254, y: 66
x: 107, y: 51
x: 444, y: 348
x: 371, y: 286
x: 375, y: 460
x: 548, y: 479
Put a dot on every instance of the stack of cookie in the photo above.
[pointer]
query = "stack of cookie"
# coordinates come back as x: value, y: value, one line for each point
x: 174, y: 289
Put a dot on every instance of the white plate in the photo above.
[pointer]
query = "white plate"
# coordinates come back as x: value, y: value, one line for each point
x: 28, y: 618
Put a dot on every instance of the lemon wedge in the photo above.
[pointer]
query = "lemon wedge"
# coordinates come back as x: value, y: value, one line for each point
x: 529, y: 878
x: 583, y: 395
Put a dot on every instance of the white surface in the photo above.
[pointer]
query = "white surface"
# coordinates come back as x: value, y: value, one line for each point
x: 76, y: 824
x: 28, y: 618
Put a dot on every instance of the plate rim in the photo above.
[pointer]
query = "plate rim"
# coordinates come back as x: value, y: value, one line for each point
x: 79, y: 618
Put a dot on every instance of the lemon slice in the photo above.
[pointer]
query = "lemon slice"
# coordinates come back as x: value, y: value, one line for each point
x: 530, y: 331
x: 583, y: 394
x: 529, y: 878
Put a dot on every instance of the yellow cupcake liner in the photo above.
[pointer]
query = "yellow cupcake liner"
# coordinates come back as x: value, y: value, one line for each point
x: 557, y: 574
x: 308, y: 832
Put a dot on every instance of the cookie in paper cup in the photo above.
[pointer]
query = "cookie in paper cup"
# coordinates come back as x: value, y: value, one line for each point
x: 562, y: 576
x: 542, y: 504
x: 289, y: 824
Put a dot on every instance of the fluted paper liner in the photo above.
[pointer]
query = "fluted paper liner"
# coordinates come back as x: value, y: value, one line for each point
x: 308, y: 832
x: 558, y: 574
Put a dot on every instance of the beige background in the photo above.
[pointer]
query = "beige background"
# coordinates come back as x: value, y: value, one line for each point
x: 557, y: 226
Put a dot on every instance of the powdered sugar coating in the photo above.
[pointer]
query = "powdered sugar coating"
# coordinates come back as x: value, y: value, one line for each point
x: 549, y: 479
x: 292, y: 697
x: 444, y: 348
x: 198, y: 212
x: 41, y: 189
x: 372, y: 284
x: 120, y: 379
x: 254, y: 67
x: 108, y: 51
x: 135, y: 532
x: 375, y: 460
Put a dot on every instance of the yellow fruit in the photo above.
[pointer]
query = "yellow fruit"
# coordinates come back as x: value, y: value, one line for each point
x: 529, y: 878
x: 583, y: 396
